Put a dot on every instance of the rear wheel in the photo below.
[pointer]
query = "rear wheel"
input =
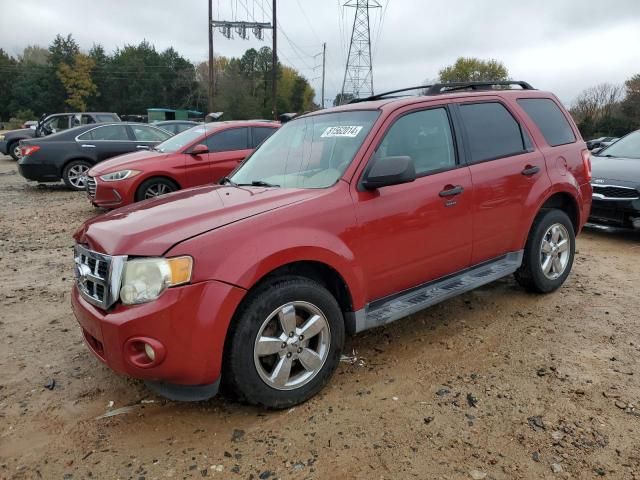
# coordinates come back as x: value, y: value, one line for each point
x: 75, y: 174
x: 15, y: 151
x: 549, y: 252
x: 154, y: 187
x: 285, y: 343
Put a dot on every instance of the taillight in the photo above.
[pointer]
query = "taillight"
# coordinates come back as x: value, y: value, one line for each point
x: 586, y: 161
x: 29, y: 149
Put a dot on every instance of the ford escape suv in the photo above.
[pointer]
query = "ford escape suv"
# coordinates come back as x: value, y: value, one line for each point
x: 345, y: 219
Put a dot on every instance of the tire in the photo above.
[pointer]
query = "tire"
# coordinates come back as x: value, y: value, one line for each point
x: 546, y: 264
x: 247, y: 373
x: 14, y: 150
x: 154, y: 187
x: 73, y: 172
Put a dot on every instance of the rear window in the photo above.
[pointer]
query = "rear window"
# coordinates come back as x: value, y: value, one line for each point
x: 550, y: 120
x: 107, y: 118
x: 492, y: 131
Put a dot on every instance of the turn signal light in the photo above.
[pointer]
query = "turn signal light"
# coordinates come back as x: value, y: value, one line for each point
x: 29, y: 149
x: 586, y: 160
x: 180, y: 269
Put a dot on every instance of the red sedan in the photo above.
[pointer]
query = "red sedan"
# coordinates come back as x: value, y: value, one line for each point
x: 203, y: 154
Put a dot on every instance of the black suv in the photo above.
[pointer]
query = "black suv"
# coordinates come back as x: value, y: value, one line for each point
x: 48, y: 124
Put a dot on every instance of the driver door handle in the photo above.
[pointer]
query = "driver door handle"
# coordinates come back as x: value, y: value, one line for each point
x: 86, y: 145
x: 451, y: 191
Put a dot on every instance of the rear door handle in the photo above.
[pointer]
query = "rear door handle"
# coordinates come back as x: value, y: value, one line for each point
x: 142, y: 147
x: 530, y: 170
x: 451, y: 191
x: 87, y: 146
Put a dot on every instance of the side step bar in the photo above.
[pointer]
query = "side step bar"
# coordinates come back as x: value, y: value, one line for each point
x: 390, y: 309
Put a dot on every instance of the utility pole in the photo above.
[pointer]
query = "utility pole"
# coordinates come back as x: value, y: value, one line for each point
x: 324, y: 64
x: 242, y: 29
x: 274, y: 62
x: 358, y: 73
x: 210, y: 56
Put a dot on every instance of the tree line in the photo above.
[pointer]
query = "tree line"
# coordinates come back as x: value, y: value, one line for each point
x: 133, y: 78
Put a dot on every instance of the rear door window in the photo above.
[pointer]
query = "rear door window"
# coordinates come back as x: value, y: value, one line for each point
x: 548, y: 117
x: 492, y: 131
x: 229, y: 140
x: 108, y: 133
x: 260, y: 134
x: 143, y: 133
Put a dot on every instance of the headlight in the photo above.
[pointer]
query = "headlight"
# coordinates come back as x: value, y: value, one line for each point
x: 144, y: 279
x: 1, y: 138
x: 119, y: 175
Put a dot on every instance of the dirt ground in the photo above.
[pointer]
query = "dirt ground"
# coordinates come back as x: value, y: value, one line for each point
x: 497, y: 383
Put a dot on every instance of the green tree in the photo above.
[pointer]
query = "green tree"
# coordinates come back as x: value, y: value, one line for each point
x: 631, y: 103
x: 468, y: 69
x: 77, y: 81
x: 8, y: 75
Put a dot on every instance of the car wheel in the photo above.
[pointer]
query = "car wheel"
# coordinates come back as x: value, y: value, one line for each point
x: 75, y: 174
x: 284, y: 343
x: 549, y: 253
x: 15, y: 151
x: 154, y: 187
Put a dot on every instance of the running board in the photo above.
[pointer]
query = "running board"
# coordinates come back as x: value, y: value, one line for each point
x: 390, y: 309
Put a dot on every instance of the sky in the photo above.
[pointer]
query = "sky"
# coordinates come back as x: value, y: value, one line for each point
x: 563, y: 46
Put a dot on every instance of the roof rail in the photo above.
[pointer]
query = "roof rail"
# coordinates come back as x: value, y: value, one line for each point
x: 440, y: 88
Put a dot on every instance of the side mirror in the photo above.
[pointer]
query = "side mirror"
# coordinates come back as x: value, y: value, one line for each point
x: 199, y: 149
x: 386, y: 171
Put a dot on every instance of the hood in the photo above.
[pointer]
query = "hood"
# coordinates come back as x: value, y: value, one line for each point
x: 21, y: 133
x: 152, y: 227
x: 128, y: 160
x: 625, y: 170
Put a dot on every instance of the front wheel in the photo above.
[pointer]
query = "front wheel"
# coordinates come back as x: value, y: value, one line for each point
x: 285, y: 343
x: 549, y: 253
x: 74, y: 174
x: 154, y: 187
x: 15, y: 151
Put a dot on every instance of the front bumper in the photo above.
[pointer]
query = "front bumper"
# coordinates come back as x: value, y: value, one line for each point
x: 616, y: 213
x: 112, y: 194
x: 187, y: 326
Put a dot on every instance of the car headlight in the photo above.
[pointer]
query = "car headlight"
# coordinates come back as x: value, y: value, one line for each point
x: 119, y: 175
x: 1, y: 138
x: 144, y: 279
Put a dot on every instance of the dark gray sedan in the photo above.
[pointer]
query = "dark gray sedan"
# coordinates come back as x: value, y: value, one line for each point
x: 70, y: 154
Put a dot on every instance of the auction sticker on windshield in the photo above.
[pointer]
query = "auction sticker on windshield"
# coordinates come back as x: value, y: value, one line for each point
x: 350, y: 131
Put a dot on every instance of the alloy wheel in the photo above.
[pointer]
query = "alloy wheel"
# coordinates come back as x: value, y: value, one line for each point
x: 156, y: 190
x: 555, y: 251
x: 17, y: 152
x: 292, y: 345
x: 78, y: 176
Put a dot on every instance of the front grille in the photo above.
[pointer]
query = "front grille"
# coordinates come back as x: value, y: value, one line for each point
x: 98, y: 276
x: 91, y: 187
x: 615, y: 192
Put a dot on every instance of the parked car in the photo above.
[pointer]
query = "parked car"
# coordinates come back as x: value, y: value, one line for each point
x: 70, y: 154
x: 616, y: 183
x: 203, y: 154
x: 48, y: 124
x: 30, y: 124
x: 345, y: 219
x: 601, y: 142
x: 176, y: 126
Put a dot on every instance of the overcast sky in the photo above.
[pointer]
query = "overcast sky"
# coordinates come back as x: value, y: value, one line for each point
x: 558, y: 45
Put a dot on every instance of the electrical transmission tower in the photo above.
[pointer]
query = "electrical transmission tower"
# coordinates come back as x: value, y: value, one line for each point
x: 358, y: 74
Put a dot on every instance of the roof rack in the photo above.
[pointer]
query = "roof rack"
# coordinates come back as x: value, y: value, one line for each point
x: 440, y: 88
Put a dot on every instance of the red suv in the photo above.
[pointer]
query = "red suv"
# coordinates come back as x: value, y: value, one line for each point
x: 203, y: 154
x: 345, y: 219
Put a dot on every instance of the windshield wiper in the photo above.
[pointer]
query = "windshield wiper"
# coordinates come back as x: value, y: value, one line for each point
x: 257, y: 183
x: 225, y: 180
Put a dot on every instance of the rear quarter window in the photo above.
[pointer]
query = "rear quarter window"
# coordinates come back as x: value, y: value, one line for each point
x: 549, y: 119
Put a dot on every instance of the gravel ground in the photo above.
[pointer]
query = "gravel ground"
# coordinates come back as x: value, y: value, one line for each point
x: 497, y: 383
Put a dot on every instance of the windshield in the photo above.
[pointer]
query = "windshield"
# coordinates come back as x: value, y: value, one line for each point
x: 310, y: 152
x: 178, y: 142
x: 628, y: 147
